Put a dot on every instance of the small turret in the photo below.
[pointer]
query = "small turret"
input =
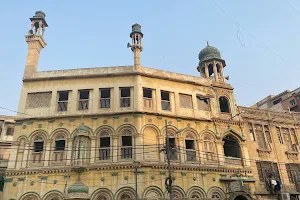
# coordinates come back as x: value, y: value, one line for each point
x: 136, y: 45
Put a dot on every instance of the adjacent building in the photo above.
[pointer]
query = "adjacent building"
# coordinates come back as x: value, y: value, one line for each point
x: 285, y: 101
x: 100, y: 134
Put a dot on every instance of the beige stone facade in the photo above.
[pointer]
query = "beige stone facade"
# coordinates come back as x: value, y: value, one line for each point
x: 86, y: 131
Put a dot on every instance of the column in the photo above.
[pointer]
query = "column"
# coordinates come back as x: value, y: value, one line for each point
x: 161, y: 145
x: 201, y: 154
x: 93, y: 149
x: 13, y: 155
x: 69, y: 151
x: 222, y: 72
x: 245, y: 155
x: 206, y: 71
x: 25, y: 154
x: 220, y: 151
x: 181, y: 150
x: 47, y: 156
x: 115, y: 148
x: 215, y: 71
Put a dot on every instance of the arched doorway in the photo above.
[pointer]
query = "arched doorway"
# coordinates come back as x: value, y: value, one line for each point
x: 231, y: 147
x: 240, y: 198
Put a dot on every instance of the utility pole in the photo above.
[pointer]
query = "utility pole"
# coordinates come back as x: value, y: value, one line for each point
x: 169, y: 180
x: 136, y: 164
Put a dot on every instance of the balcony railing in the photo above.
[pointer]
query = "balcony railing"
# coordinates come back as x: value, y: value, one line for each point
x: 173, y: 154
x: 233, y: 161
x: 58, y: 156
x: 211, y: 157
x: 125, y: 102
x: 126, y: 152
x: 165, y: 105
x: 105, y: 103
x: 148, y: 103
x: 104, y: 153
x: 191, y: 155
x: 83, y: 104
x: 62, y: 106
x: 37, y: 158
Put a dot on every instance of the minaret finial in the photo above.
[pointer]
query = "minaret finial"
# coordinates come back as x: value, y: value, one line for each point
x: 207, y: 43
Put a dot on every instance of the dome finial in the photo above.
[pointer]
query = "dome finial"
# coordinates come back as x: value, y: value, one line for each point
x: 207, y: 44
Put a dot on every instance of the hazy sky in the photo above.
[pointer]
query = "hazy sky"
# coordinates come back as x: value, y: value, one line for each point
x: 95, y: 33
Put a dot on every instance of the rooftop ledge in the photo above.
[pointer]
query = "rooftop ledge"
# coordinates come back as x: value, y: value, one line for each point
x: 121, y: 71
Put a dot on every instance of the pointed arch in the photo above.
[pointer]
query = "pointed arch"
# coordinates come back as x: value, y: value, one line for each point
x: 53, y: 194
x: 196, y: 192
x: 63, y: 131
x: 102, y: 193
x: 152, y: 193
x: 232, y: 132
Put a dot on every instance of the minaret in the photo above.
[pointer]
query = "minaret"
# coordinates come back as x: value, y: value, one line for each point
x: 211, y: 65
x: 136, y: 46
x: 36, y: 42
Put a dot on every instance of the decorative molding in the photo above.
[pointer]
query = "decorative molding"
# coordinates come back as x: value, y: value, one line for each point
x: 8, y: 180
x: 114, y: 173
x: 21, y: 179
x: 43, y: 177
x: 51, y: 121
x: 183, y: 173
x: 18, y: 123
x: 30, y: 122
x: 94, y: 118
x: 138, y: 115
x: 115, y: 117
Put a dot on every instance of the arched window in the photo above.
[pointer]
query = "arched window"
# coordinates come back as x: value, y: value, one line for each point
x: 231, y: 147
x: 208, y: 148
x: 104, y: 145
x: 126, y: 144
x: 260, y: 137
x: 224, y: 105
x: 190, y: 147
x: 38, y: 150
x: 59, y: 149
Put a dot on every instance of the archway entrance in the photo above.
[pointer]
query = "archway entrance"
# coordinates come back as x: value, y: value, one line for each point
x: 240, y: 198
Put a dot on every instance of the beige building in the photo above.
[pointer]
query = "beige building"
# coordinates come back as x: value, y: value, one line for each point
x: 285, y: 101
x: 86, y: 132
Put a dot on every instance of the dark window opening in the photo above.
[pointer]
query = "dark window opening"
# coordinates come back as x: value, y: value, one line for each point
x: 105, y: 98
x: 104, y: 151
x: 83, y: 99
x: 147, y: 93
x: 63, y: 101
x: 210, y: 69
x: 173, y: 153
x: 126, y: 141
x: 224, y: 105
x: 190, y: 144
x: 125, y: 97
x: 104, y: 142
x: 190, y: 150
x: 277, y: 101
x: 38, y: 146
x: 126, y: 150
x: 60, y: 145
x: 10, y: 131
x: 231, y: 147
x: 165, y: 101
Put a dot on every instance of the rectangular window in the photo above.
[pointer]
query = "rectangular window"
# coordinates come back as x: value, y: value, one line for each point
x: 203, y: 103
x: 125, y: 97
x: 147, y: 95
x: 267, y: 133
x: 186, y: 101
x: 190, y: 150
x: 60, y: 145
x: 38, y: 146
x: 63, y: 98
x: 165, y: 100
x: 10, y: 131
x: 104, y: 151
x: 279, y: 135
x: 292, y: 171
x: 264, y: 167
x: 83, y: 103
x: 277, y: 101
x: 105, y: 98
x: 251, y: 132
x: 293, y: 102
x: 126, y: 150
x: 173, y: 152
x: 39, y: 100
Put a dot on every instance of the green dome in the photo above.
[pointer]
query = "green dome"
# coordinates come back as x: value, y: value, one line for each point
x: 209, y: 52
x: 136, y: 28
x: 39, y: 14
x: 78, y: 187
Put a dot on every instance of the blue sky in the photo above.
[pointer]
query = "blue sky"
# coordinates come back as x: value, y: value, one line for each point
x: 95, y: 33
